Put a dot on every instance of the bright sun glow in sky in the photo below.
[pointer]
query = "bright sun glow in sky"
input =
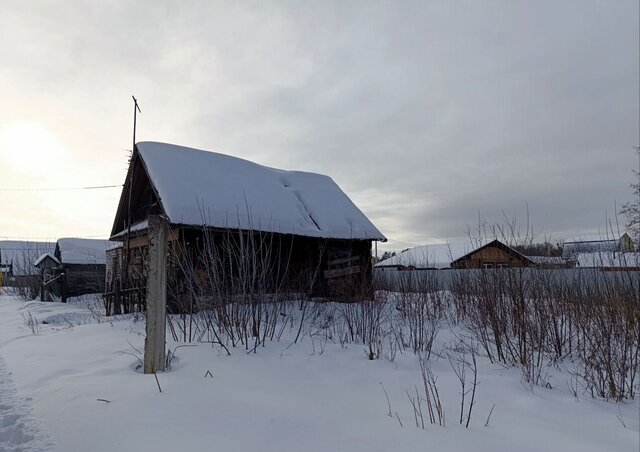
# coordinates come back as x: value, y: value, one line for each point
x: 28, y: 144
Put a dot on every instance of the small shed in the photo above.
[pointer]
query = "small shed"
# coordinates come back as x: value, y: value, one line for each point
x: 49, y: 267
x: 82, y: 265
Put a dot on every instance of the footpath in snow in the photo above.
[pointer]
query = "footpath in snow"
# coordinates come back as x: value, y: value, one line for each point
x: 19, y: 431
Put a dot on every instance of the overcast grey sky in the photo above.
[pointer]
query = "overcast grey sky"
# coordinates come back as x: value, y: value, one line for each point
x: 425, y: 113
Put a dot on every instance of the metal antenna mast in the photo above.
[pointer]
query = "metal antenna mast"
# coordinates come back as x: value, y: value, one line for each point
x: 136, y: 110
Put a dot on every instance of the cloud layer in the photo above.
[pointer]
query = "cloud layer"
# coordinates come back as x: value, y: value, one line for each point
x: 425, y: 114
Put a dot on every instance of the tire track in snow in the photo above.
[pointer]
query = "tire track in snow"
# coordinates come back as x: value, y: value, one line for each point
x: 19, y: 431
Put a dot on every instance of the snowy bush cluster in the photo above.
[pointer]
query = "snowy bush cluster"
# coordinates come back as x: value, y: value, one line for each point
x: 509, y: 316
x: 535, y: 320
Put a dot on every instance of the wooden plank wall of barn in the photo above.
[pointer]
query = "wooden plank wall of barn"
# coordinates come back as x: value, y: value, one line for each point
x: 83, y: 279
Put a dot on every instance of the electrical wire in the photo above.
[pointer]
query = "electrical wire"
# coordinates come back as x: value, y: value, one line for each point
x: 96, y: 187
x: 51, y: 238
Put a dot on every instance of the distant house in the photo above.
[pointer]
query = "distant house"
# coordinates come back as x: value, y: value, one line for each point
x: 494, y: 254
x: 596, y: 244
x: 16, y: 261
x: 426, y: 257
x: 81, y: 265
x: 609, y: 261
x: 549, y: 261
x: 314, y: 232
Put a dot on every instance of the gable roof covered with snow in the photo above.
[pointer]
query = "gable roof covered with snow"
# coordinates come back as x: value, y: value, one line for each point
x: 82, y: 251
x: 435, y: 256
x: 201, y: 188
x: 597, y: 237
x: 45, y: 256
x: 20, y: 255
x: 547, y: 260
x: 495, y: 243
x: 596, y: 243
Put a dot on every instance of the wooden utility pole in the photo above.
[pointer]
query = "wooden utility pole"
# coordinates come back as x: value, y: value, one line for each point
x: 154, y: 344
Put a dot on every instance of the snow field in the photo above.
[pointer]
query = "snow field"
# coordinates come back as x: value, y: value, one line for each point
x: 312, y: 396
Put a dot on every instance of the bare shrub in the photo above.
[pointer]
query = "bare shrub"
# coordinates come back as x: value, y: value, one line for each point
x: 367, y: 322
x: 230, y: 288
x: 536, y: 318
x: 435, y: 410
x: 608, y: 323
x: 31, y: 322
x: 460, y: 363
x: 416, y: 404
x: 421, y: 307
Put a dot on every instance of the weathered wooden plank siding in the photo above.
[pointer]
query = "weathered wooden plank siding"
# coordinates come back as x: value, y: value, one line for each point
x: 83, y: 279
x: 492, y: 257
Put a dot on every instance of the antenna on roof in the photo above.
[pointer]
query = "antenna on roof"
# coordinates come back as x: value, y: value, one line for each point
x: 136, y: 110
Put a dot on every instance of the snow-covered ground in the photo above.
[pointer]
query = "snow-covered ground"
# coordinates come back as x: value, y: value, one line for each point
x: 19, y: 431
x: 79, y: 373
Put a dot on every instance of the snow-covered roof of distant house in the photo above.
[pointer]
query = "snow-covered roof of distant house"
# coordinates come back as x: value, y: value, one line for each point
x: 629, y: 259
x: 43, y: 257
x: 439, y: 255
x: 608, y: 259
x: 21, y: 254
x: 597, y: 237
x: 547, y: 260
x: 593, y: 243
x: 199, y: 188
x: 82, y: 251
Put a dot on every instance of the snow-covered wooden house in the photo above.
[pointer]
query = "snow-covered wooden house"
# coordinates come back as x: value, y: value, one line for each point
x: 494, y: 254
x: 436, y: 256
x: 309, y: 225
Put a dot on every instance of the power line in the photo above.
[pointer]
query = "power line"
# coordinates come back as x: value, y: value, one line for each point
x: 25, y: 249
x: 400, y: 242
x: 96, y: 187
x: 51, y: 238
